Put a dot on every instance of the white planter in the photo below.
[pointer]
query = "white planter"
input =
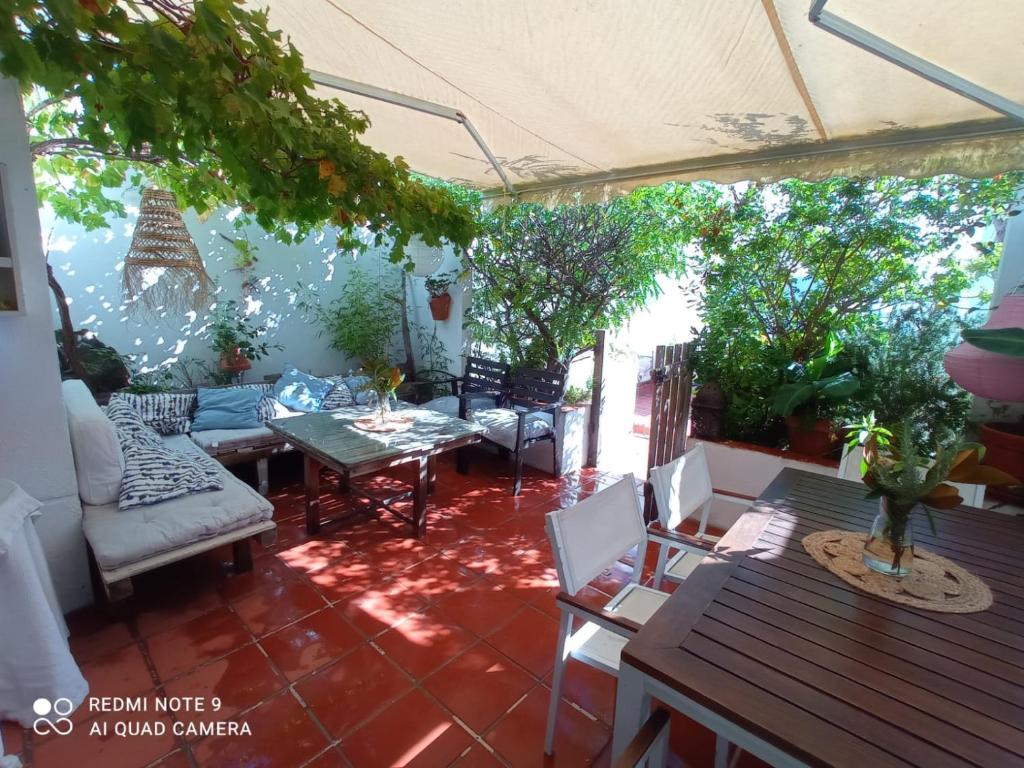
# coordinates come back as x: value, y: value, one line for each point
x: 747, y: 470
x: 574, y: 423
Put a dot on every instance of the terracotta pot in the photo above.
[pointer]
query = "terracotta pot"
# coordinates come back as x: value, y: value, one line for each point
x: 1004, y: 449
x: 235, y: 362
x: 440, y: 306
x: 815, y: 441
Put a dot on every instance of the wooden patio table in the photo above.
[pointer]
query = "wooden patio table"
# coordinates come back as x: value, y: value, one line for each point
x: 332, y: 440
x: 768, y: 648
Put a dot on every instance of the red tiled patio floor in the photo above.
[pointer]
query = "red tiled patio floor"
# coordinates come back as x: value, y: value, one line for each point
x: 359, y: 646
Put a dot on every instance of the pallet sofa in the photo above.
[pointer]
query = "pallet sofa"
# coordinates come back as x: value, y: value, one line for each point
x: 125, y: 543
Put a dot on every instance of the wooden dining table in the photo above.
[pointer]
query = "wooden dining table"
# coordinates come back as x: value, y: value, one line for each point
x: 783, y: 659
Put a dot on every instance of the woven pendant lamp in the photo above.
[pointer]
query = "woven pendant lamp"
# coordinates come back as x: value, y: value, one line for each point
x: 162, y: 242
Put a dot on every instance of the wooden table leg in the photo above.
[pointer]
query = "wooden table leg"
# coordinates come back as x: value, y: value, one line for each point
x: 311, y: 468
x: 431, y: 473
x: 419, y: 497
x: 343, y: 483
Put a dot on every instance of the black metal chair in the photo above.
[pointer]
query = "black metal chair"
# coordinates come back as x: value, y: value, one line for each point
x: 531, y: 392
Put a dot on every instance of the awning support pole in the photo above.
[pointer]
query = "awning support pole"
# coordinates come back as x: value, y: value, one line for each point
x: 419, y: 105
x: 902, y: 58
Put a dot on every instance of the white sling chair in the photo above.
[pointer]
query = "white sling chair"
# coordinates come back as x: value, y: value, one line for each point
x: 682, y: 488
x: 849, y: 469
x: 586, y: 539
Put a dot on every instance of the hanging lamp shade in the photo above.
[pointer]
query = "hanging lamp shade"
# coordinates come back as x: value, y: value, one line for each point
x: 990, y: 374
x: 163, y: 268
x: 426, y: 260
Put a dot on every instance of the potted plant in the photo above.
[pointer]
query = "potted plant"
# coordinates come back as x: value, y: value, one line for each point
x: 440, y: 300
x: 806, y: 399
x: 236, y: 340
x: 903, y: 479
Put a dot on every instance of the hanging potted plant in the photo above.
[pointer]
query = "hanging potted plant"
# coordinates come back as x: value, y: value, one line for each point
x: 440, y: 299
x: 806, y: 399
x: 903, y: 480
x: 236, y: 340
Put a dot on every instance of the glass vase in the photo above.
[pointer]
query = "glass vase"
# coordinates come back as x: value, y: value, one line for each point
x: 381, y: 401
x: 890, y: 545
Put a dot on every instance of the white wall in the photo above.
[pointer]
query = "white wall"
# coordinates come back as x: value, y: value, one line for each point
x: 88, y: 266
x: 35, y: 450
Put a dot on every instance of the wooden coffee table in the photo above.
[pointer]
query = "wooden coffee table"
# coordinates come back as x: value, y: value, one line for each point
x: 332, y: 440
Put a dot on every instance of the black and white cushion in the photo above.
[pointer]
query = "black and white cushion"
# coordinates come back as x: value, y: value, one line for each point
x: 169, y: 413
x: 128, y: 422
x: 339, y: 397
x: 155, y: 473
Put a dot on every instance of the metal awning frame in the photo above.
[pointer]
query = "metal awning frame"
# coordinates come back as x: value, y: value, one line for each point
x: 872, y: 43
x: 420, y: 105
x: 821, y: 18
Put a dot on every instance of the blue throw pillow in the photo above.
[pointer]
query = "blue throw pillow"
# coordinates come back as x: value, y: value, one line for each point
x: 359, y: 386
x: 233, y: 408
x: 300, y: 391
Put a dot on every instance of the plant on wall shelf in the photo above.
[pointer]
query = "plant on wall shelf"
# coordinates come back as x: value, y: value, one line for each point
x: 440, y: 299
x: 235, y: 339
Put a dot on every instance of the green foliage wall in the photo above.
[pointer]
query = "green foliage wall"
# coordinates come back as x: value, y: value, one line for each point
x: 874, y: 261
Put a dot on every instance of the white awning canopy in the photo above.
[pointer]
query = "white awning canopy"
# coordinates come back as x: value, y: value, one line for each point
x: 601, y: 96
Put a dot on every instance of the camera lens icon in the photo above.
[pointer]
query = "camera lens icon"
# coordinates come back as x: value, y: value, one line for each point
x: 53, y: 716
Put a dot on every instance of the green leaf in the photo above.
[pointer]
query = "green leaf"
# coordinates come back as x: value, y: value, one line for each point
x: 789, y: 397
x: 1004, y: 341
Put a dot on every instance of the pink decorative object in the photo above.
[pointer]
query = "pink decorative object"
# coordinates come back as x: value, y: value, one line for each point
x: 990, y: 374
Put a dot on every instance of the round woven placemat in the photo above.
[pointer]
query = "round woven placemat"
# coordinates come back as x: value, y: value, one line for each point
x: 934, y: 584
x: 393, y: 424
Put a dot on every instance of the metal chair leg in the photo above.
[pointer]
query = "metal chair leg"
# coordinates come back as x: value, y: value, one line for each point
x: 659, y: 569
x: 561, y: 656
x: 517, y: 485
x: 721, y: 752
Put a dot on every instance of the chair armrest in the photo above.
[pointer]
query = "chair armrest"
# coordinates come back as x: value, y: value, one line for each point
x: 527, y: 410
x: 675, y: 538
x: 738, y: 498
x: 652, y: 734
x: 480, y: 393
x: 613, y: 622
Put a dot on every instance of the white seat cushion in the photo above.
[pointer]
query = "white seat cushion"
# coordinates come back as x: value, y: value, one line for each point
x: 603, y: 648
x: 99, y: 462
x: 120, y: 538
x: 502, y: 423
x: 682, y: 564
x: 449, y: 405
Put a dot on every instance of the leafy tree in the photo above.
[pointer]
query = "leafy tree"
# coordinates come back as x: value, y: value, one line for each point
x: 544, y: 279
x: 203, y: 98
x: 784, y: 265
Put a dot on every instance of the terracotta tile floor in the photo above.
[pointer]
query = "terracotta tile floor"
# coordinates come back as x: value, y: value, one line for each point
x: 360, y: 646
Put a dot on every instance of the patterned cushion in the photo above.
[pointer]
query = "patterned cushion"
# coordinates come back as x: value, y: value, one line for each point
x: 169, y: 413
x: 128, y: 422
x: 155, y: 473
x: 359, y: 385
x: 300, y: 391
x: 502, y: 425
x: 340, y: 395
